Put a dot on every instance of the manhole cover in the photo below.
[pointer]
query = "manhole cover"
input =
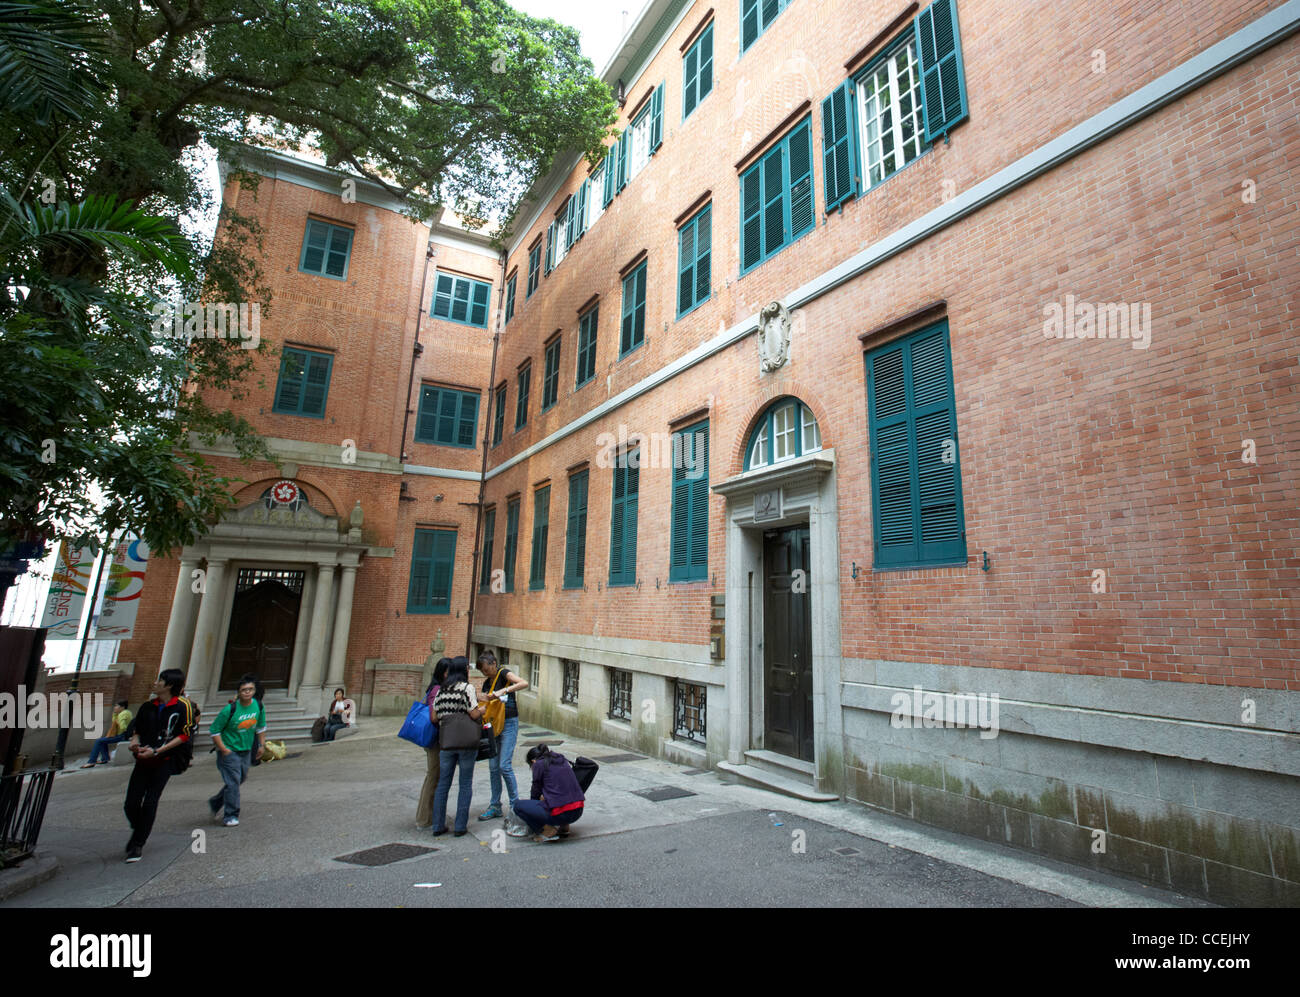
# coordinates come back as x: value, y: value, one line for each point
x: 694, y: 771
x: 619, y: 758
x: 385, y: 854
x: 660, y: 793
x: 846, y: 851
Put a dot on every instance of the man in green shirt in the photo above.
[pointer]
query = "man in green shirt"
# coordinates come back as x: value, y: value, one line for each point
x: 235, y: 730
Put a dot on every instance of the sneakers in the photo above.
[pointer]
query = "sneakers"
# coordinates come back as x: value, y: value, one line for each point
x: 493, y: 811
x: 231, y: 822
x: 549, y: 833
x: 133, y: 853
x: 88, y: 765
x: 516, y: 830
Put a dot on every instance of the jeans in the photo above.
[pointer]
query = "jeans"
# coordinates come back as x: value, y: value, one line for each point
x: 448, y: 762
x: 101, y: 748
x: 332, y: 726
x: 234, y: 770
x: 143, y: 791
x: 499, y: 766
x: 536, y: 815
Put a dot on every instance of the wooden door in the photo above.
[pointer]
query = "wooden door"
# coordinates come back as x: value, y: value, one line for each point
x: 787, y: 643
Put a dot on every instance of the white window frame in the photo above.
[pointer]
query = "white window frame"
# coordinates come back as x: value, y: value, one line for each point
x: 888, y: 70
x: 595, y: 195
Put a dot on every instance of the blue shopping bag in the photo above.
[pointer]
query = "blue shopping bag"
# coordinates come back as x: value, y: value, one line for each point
x: 418, y: 728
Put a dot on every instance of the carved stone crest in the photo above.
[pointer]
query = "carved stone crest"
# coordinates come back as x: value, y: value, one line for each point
x: 773, y: 336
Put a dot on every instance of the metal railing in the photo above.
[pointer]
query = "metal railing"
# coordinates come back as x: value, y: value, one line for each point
x: 23, y: 798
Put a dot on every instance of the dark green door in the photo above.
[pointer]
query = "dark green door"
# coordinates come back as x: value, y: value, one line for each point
x: 787, y: 643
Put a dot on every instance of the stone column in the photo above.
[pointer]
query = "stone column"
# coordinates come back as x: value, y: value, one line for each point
x: 301, y: 633
x: 179, y: 626
x: 314, y: 674
x: 342, y: 623
x: 206, y: 638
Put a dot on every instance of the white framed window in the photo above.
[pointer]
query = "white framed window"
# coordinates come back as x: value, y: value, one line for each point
x: 783, y: 421
x: 758, y: 450
x: 639, y: 152
x: 595, y: 200
x: 889, y: 111
x: 812, y: 434
x: 786, y: 430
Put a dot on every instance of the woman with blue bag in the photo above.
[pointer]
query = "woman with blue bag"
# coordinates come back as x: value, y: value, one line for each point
x: 424, y: 810
x: 460, y: 731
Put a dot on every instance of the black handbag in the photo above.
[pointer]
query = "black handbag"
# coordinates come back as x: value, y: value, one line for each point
x: 487, y: 745
x: 457, y: 732
x: 584, y: 770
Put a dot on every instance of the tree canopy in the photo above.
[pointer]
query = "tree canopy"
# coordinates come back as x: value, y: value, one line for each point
x: 103, y: 114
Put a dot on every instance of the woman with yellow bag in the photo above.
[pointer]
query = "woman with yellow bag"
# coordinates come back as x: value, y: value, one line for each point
x: 502, y: 712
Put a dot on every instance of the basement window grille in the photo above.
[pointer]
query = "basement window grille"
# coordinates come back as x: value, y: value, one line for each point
x: 689, y: 712
x: 620, y: 695
x: 570, y: 693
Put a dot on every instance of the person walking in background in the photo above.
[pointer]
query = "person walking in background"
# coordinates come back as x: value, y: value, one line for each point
x: 556, y: 799
x: 116, y: 732
x: 424, y: 809
x: 164, y: 731
x: 459, y: 731
x: 500, y: 686
x: 234, y: 731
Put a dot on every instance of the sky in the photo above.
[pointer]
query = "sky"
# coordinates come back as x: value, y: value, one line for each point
x: 602, y: 23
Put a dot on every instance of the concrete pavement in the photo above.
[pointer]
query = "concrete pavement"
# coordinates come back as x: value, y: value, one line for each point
x: 718, y: 844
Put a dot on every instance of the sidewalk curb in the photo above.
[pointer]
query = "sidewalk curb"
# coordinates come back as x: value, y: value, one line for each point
x: 35, y: 871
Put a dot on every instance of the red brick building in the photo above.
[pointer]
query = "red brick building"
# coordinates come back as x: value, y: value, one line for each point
x: 897, y: 414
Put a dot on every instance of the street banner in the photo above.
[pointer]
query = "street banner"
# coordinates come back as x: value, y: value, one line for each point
x: 68, y: 586
x: 122, y: 591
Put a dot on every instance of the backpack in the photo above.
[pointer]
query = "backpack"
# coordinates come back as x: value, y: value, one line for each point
x: 184, y: 755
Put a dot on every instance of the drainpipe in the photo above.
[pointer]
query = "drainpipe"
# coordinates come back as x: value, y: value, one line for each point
x: 430, y: 254
x: 487, y: 439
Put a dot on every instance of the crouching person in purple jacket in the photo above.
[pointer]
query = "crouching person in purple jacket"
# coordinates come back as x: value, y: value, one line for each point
x: 557, y: 799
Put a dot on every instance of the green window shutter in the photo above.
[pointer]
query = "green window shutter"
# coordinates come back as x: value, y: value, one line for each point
x: 313, y: 247
x: 551, y: 377
x: 943, y: 77
x: 442, y: 289
x: 419, y: 588
x: 336, y: 263
x: 638, y: 330
x: 550, y: 247
x: 704, y: 84
x: 616, y: 525
x: 510, y: 298
x: 698, y: 477
x: 774, y: 201
x: 629, y: 315
x: 468, y: 420
x: 460, y: 295
x: 686, y: 267
x: 499, y: 419
x: 521, y: 398
x: 575, y: 541
x: 623, y: 141
x: 568, y: 222
x: 541, y: 533
x: 622, y: 541
x: 749, y: 29
x: 446, y: 417
x: 303, y: 384
x: 288, y: 391
x: 534, y: 266
x: 489, y: 536
x: 751, y: 229
x: 690, y: 80
x: 587, y: 347
x: 583, y: 194
x: 704, y: 254
x: 657, y: 119
x: 316, y: 384
x: 839, y: 146
x: 918, y: 516
x: 512, y: 543
x: 629, y: 524
x: 801, y: 181
x: 444, y: 563
x: 479, y: 307
x: 607, y: 194
x: 326, y: 250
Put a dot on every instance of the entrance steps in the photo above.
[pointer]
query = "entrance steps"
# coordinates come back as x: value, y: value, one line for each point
x: 780, y: 774
x: 285, y: 720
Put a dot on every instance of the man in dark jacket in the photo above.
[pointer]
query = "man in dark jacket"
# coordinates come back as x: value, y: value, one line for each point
x: 557, y: 799
x: 161, y: 729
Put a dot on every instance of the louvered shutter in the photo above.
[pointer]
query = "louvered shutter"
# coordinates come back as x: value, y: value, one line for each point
x: 629, y: 524
x: 581, y: 224
x: 448, y: 405
x: 680, y: 543
x: 629, y: 314
x: 611, y: 167
x: 748, y: 23
x: 316, y: 384
x: 479, y: 309
x: 288, y: 392
x: 313, y: 247
x: 442, y: 296
x: 704, y: 81
x: 336, y: 265
x: 774, y: 207
x: 489, y: 537
x: 751, y: 230
x: 512, y: 544
x: 418, y: 591
x: 510, y: 298
x: 686, y: 267
x: 690, y: 77
x: 550, y: 247
x: 801, y: 185
x: 460, y: 300
x: 541, y: 531
x: 468, y: 420
x: 443, y: 565
x: 499, y: 419
x: 575, y: 544
x: 839, y: 146
x: 616, y: 523
x: 704, y: 255
x: 624, y: 141
x: 943, y: 78
x: 657, y: 119
x: 697, y: 478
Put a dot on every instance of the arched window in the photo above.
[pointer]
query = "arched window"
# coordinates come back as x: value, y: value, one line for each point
x: 785, y: 431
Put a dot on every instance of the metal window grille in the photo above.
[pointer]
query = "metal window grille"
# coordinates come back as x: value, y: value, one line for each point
x: 689, y: 712
x: 535, y: 671
x: 503, y: 657
x: 620, y: 695
x: 570, y: 694
x: 248, y: 577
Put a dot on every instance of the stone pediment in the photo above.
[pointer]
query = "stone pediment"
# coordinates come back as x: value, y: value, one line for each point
x: 282, y: 517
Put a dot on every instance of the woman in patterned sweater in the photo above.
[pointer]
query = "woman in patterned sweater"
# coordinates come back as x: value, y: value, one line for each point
x: 455, y: 696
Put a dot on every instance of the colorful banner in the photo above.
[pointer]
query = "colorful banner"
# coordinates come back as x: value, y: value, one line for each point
x: 122, y: 591
x: 68, y: 587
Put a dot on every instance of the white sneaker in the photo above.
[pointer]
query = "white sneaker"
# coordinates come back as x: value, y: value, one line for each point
x: 516, y: 830
x: 231, y: 822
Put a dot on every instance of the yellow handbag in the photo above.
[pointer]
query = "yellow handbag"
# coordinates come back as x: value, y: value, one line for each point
x: 494, y: 710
